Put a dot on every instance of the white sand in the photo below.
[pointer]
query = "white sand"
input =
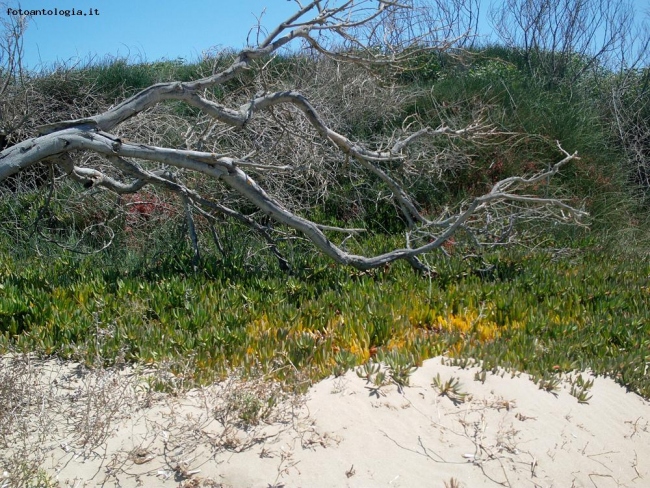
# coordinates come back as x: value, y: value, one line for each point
x: 509, y: 433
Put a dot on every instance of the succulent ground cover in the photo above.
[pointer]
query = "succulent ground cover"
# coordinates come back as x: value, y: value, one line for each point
x: 529, y: 311
x: 134, y: 276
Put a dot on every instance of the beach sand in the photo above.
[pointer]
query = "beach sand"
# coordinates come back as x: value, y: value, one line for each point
x: 108, y: 429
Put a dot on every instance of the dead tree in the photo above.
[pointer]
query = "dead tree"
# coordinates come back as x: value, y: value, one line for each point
x: 352, y: 32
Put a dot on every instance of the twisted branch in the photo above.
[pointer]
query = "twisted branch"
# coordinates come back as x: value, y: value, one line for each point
x: 58, y: 140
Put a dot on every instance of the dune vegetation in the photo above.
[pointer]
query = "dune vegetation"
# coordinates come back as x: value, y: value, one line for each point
x: 109, y: 279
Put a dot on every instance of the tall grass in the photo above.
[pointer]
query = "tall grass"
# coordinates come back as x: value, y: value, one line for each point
x: 495, y: 81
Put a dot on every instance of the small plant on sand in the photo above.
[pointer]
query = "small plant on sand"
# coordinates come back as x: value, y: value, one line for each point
x: 373, y: 374
x: 549, y: 382
x: 453, y: 483
x: 398, y: 370
x: 375, y: 378
x: 380, y: 379
x: 400, y: 367
x: 368, y: 371
x: 39, y: 479
x: 248, y: 404
x: 480, y: 376
x: 251, y: 409
x: 451, y: 388
x: 345, y: 360
x: 580, y: 388
x: 463, y: 363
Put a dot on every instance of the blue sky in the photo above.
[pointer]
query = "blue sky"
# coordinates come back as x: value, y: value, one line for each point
x: 143, y: 29
x: 150, y: 30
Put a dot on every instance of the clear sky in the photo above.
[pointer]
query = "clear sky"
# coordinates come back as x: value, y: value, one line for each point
x: 150, y: 30
x: 146, y: 30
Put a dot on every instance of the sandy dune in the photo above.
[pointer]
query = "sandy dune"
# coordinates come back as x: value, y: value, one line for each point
x: 107, y: 429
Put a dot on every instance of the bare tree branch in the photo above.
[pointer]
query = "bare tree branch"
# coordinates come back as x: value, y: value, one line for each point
x: 279, y: 121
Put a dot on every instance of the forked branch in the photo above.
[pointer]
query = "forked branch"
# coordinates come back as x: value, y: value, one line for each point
x: 59, y: 141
